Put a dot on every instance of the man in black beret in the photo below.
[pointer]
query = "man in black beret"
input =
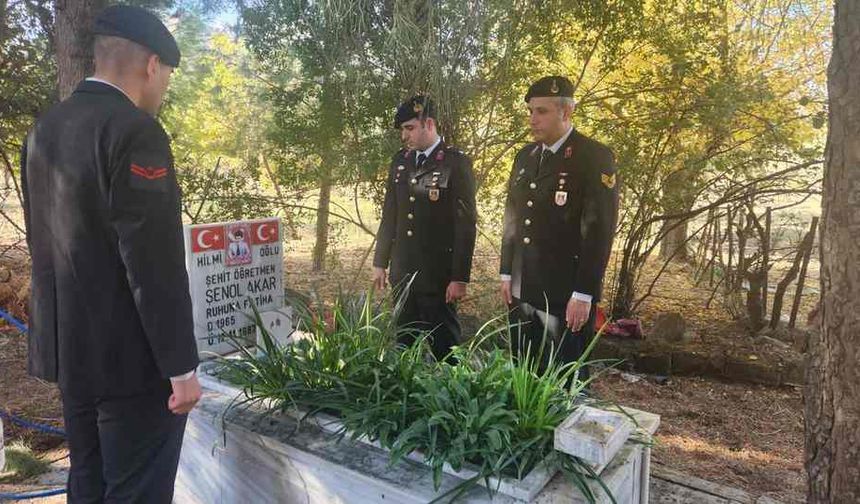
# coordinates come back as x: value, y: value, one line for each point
x: 560, y: 217
x: 428, y: 226
x: 110, y: 312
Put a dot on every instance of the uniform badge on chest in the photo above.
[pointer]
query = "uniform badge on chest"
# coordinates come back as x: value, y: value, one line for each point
x: 561, y: 194
x: 433, y: 194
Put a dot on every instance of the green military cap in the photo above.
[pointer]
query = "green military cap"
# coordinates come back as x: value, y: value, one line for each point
x: 140, y: 26
x: 419, y: 106
x: 554, y: 85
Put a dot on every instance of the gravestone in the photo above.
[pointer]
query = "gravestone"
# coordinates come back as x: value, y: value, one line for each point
x: 231, y: 266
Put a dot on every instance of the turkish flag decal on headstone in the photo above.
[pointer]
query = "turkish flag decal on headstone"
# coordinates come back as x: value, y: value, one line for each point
x: 264, y: 232
x: 204, y: 239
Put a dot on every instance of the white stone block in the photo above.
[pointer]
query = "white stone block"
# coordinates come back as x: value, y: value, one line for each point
x: 592, y: 434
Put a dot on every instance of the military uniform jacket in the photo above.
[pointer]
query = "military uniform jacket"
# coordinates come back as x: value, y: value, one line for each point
x: 560, y: 222
x: 110, y: 311
x: 428, y: 220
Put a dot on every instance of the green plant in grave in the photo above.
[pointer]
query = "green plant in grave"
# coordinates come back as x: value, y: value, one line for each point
x: 487, y: 409
x: 346, y: 362
x: 465, y: 417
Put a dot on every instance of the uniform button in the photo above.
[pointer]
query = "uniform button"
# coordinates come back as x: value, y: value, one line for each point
x: 530, y: 203
x: 528, y: 222
x: 412, y: 199
x: 414, y: 181
x: 410, y: 216
x: 409, y: 233
x: 533, y: 185
x: 527, y: 240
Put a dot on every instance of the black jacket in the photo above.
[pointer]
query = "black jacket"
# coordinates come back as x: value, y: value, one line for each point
x: 428, y: 220
x: 560, y: 222
x: 110, y: 311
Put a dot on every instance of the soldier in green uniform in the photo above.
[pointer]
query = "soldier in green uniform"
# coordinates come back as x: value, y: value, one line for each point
x: 560, y: 217
x: 428, y: 225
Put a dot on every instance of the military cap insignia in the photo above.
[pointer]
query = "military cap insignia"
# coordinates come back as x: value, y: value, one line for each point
x: 418, y: 107
x: 554, y: 88
x: 560, y: 198
x: 568, y: 152
x: 608, y: 180
x: 433, y: 194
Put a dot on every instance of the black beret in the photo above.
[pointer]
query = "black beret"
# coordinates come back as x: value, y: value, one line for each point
x: 554, y: 85
x: 418, y: 106
x: 141, y: 26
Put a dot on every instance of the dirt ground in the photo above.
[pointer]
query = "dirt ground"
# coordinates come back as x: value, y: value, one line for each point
x: 750, y: 437
x: 742, y: 436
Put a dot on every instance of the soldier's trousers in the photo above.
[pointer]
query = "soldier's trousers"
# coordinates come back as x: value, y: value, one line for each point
x: 430, y: 312
x: 123, y: 449
x: 542, y: 331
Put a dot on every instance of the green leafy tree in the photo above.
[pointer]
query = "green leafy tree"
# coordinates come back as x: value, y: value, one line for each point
x: 216, y: 117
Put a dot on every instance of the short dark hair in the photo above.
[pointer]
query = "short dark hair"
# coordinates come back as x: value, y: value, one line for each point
x: 118, y: 53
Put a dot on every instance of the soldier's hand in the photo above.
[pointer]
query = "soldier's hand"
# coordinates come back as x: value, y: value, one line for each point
x: 455, y: 292
x: 379, y: 280
x: 185, y: 395
x: 577, y: 314
x: 506, y: 292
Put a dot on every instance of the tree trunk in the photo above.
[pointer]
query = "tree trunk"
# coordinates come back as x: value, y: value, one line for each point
x: 74, y: 22
x: 755, y: 311
x: 798, y: 293
x: 331, y: 106
x: 789, y: 277
x: 674, y: 242
x: 677, y: 198
x: 832, y: 395
x: 321, y: 244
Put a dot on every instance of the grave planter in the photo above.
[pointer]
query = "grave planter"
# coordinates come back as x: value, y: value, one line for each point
x: 235, y: 455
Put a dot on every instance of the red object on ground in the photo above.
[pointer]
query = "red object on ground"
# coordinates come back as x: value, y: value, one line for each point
x: 622, y: 328
x: 599, y: 318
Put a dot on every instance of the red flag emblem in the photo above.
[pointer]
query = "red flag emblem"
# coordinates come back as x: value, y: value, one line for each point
x: 264, y: 232
x: 207, y: 238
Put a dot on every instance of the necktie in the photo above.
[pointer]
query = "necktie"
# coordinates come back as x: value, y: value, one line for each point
x: 421, y: 158
x: 544, y: 159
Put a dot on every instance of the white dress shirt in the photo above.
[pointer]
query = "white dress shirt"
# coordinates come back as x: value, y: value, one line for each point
x: 428, y: 151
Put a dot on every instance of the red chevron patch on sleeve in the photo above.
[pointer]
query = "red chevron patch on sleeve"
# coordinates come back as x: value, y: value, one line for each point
x: 148, y: 172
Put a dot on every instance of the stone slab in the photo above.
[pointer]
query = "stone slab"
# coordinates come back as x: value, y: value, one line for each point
x: 246, y: 456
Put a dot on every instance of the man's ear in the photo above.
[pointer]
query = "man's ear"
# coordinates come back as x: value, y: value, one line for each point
x: 567, y: 111
x: 152, y: 65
